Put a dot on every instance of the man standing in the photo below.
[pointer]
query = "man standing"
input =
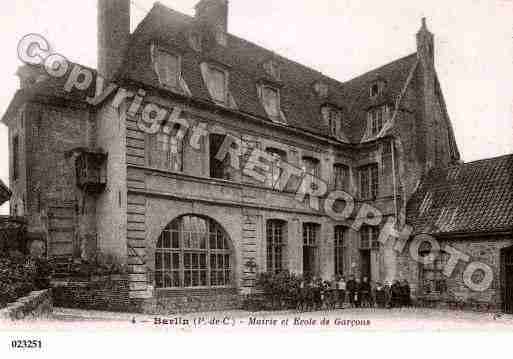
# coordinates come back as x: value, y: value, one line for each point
x: 365, y: 290
x: 405, y: 293
x: 396, y: 294
x: 351, y: 290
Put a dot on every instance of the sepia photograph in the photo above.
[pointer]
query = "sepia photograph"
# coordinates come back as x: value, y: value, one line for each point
x: 177, y: 169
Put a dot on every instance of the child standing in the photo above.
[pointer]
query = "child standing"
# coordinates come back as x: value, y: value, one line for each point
x: 341, y: 288
x: 380, y: 296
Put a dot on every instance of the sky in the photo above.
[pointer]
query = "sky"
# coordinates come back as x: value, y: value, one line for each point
x: 342, y: 39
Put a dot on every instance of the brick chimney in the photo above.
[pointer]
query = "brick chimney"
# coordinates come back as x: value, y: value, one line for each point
x: 113, y: 35
x: 213, y: 14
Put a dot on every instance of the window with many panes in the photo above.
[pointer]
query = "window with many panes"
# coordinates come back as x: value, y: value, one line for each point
x: 310, y: 243
x: 167, y: 152
x: 332, y: 117
x: 377, y: 118
x: 338, y: 243
x: 369, y: 181
x: 369, y: 237
x: 167, y: 66
x: 377, y: 89
x: 334, y: 121
x: 193, y: 252
x: 432, y: 279
x: 275, y: 168
x: 340, y: 176
x: 275, y: 235
x: 218, y: 168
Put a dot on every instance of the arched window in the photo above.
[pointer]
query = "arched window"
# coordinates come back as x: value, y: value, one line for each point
x: 191, y: 252
x: 276, y: 233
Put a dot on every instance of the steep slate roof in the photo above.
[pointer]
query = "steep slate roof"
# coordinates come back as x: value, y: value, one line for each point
x: 244, y: 60
x: 468, y: 198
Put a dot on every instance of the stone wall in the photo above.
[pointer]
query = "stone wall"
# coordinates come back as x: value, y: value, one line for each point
x: 189, y: 301
x: 113, y: 295
x: 37, y: 305
x: 486, y: 250
x: 99, y: 294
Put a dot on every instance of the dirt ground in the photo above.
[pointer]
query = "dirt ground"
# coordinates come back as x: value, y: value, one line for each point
x: 362, y: 319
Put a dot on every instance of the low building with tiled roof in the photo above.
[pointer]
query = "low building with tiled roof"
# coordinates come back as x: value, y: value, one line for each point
x: 474, y: 197
x: 86, y: 172
x: 466, y: 207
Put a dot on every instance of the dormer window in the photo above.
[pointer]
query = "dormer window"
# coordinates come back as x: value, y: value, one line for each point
x: 376, y: 121
x: 271, y: 100
x: 219, y: 85
x: 195, y: 41
x: 332, y: 118
x: 374, y: 91
x: 216, y: 80
x: 270, y: 97
x: 221, y: 36
x: 167, y: 66
x: 377, y: 89
x: 272, y: 68
x: 376, y: 118
x: 321, y: 89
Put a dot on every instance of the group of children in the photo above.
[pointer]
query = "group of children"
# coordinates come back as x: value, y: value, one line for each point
x: 316, y: 294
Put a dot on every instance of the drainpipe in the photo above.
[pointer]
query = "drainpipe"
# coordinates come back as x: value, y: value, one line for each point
x: 394, y: 180
x: 391, y: 276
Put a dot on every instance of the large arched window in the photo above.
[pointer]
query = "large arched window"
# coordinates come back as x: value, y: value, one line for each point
x: 192, y: 252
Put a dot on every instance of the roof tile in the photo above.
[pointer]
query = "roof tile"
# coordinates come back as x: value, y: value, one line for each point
x: 466, y: 198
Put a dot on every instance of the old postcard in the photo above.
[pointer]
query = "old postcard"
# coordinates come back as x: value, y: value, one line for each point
x: 190, y: 167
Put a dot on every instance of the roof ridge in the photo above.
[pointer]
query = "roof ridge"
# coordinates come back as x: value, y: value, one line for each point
x: 488, y: 159
x: 167, y: 8
x: 250, y: 42
x: 341, y: 83
x: 377, y: 69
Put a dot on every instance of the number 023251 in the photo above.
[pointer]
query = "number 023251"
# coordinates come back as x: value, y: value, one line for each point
x: 26, y: 344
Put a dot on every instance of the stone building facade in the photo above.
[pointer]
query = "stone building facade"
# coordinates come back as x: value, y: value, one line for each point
x: 89, y: 178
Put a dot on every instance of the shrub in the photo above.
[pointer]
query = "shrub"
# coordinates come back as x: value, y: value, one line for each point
x: 279, y: 289
x: 99, y: 264
x: 18, y: 276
